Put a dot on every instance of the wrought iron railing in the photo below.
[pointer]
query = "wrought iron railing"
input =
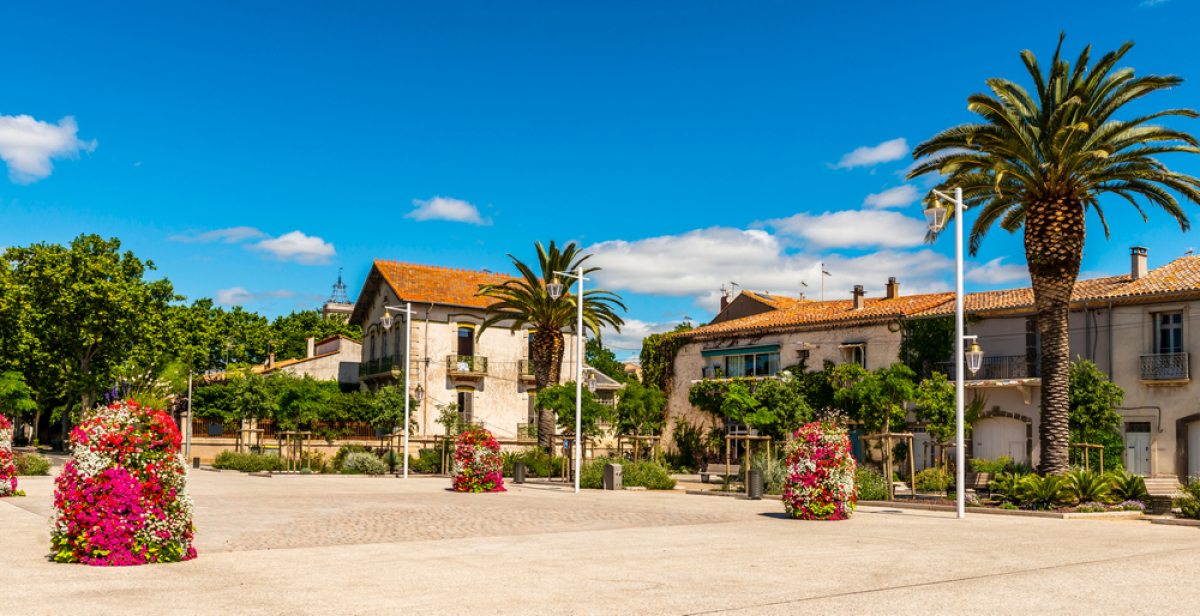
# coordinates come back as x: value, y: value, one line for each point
x: 525, y: 368
x: 1165, y: 367
x: 996, y: 367
x: 382, y: 365
x: 466, y: 364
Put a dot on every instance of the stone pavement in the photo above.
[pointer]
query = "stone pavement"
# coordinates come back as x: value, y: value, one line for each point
x: 334, y: 545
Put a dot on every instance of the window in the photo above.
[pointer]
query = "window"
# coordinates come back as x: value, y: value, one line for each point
x: 466, y: 340
x: 383, y: 342
x: 758, y: 364
x: 466, y: 410
x: 531, y: 344
x: 372, y: 347
x: 1170, y: 332
x: 858, y: 355
x: 532, y: 417
x: 398, y: 344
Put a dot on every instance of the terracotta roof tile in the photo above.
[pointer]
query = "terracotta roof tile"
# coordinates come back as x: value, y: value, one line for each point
x: 777, y: 302
x: 1009, y: 299
x: 805, y: 313
x: 1182, y: 274
x: 442, y: 285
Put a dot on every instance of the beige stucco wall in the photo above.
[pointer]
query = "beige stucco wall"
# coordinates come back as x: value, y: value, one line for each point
x: 882, y: 349
x: 341, y: 366
x: 501, y: 398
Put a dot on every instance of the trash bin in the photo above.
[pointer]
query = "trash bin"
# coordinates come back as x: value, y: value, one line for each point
x: 518, y: 472
x: 195, y: 462
x: 754, y: 484
x: 613, y: 477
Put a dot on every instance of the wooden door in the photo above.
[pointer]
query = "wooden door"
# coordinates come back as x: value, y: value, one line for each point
x: 1194, y: 449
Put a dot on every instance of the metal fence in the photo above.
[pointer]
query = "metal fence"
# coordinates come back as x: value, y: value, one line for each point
x: 466, y: 364
x: 1165, y: 367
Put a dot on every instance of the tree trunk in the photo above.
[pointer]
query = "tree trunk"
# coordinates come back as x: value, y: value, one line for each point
x: 1054, y: 235
x: 547, y: 350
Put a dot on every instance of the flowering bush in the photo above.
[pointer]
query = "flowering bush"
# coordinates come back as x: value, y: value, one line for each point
x: 1091, y: 507
x: 477, y: 463
x: 8, y: 470
x: 1130, y: 505
x: 122, y: 500
x: 820, y: 468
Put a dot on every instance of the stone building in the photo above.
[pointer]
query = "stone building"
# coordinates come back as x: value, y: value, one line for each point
x: 489, y: 377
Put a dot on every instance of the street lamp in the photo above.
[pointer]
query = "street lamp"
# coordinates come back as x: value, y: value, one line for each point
x: 386, y: 321
x: 591, y: 382
x: 936, y: 218
x: 555, y: 289
x: 420, y: 393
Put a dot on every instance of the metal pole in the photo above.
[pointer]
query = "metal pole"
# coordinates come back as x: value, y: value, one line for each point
x: 407, y: 384
x: 579, y: 379
x: 189, y: 420
x: 959, y: 453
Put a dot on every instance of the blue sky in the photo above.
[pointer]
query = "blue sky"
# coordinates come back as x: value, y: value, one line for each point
x: 252, y: 149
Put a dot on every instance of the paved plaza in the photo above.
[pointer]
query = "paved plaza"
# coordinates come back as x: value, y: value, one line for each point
x: 354, y: 545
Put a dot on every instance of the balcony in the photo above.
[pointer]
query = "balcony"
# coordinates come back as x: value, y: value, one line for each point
x: 1165, y: 367
x: 997, y: 368
x: 382, y: 367
x: 466, y: 365
x: 525, y: 370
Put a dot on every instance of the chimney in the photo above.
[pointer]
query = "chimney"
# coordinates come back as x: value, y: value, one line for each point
x: 893, y: 288
x: 1138, y: 267
x: 271, y: 360
x: 724, y: 299
x: 859, y: 300
x: 309, y: 346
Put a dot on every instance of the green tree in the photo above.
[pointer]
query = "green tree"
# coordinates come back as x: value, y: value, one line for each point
x: 389, y: 408
x: 16, y: 399
x: 94, y: 302
x: 1092, y: 417
x: 559, y: 400
x: 290, y: 333
x: 604, y: 360
x: 935, y: 406
x: 1039, y: 162
x: 525, y: 301
x: 253, y: 397
x: 926, y: 342
x: 784, y: 398
x: 299, y: 400
x: 640, y: 410
x: 876, y: 398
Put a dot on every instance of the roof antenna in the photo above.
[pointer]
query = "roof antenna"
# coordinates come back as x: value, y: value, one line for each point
x: 1190, y: 252
x: 734, y: 286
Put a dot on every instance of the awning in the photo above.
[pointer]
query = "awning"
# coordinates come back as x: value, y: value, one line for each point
x: 852, y: 345
x: 766, y: 348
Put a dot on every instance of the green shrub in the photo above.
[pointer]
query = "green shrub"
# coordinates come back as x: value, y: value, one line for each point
x: 247, y: 462
x: 1044, y: 492
x: 1008, y: 486
x: 429, y: 462
x: 340, y: 458
x: 1189, y: 505
x: 1008, y: 506
x: 1128, y: 487
x: 870, y: 484
x: 932, y: 480
x: 983, y: 465
x: 644, y: 473
x: 1087, y: 486
x: 31, y: 464
x: 393, y: 461
x: 364, y: 462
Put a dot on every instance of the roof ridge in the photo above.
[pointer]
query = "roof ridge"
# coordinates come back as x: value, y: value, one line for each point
x: 444, y: 268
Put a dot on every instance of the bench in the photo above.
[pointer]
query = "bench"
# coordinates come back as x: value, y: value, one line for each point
x: 719, y: 470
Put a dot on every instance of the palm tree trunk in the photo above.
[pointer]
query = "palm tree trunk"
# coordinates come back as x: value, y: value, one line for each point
x: 1054, y: 235
x: 547, y: 350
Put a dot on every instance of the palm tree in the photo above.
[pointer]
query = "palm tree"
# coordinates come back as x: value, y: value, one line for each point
x: 524, y: 301
x: 1041, y: 162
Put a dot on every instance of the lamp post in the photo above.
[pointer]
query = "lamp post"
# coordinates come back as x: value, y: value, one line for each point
x: 936, y: 218
x: 386, y: 321
x: 555, y: 291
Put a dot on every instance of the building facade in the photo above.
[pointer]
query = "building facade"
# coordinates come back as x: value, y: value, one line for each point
x: 489, y: 377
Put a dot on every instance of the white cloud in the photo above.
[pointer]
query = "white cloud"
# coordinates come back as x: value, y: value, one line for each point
x: 629, y: 341
x: 445, y: 208
x: 899, y: 196
x: 231, y: 235
x: 1150, y: 3
x: 298, y: 247
x: 27, y: 145
x: 997, y: 272
x: 867, y: 156
x: 853, y: 229
x: 696, y: 264
x: 239, y: 296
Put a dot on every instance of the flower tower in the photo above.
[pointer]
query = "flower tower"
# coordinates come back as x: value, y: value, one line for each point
x: 820, y: 473
x: 477, y: 463
x: 122, y: 499
x: 8, y: 470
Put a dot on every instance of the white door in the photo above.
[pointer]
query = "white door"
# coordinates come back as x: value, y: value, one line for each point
x: 1194, y: 449
x: 1137, y: 453
x: 994, y: 437
x: 922, y: 455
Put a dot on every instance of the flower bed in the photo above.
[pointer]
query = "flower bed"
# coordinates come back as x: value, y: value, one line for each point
x: 122, y: 500
x: 820, y: 473
x: 8, y: 470
x: 477, y: 463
